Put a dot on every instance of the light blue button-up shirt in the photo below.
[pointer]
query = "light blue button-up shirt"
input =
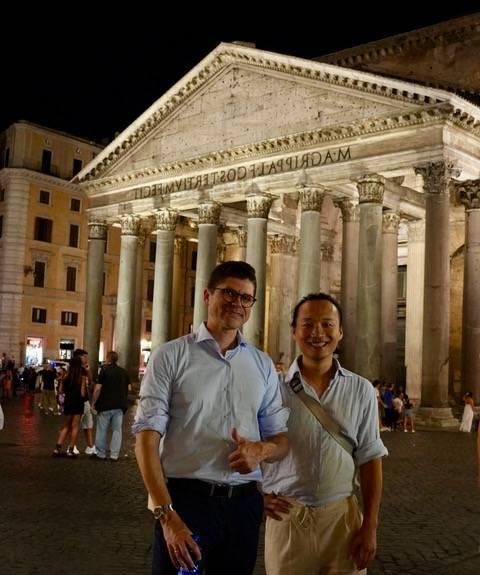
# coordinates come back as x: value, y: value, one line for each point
x: 317, y: 470
x: 194, y: 396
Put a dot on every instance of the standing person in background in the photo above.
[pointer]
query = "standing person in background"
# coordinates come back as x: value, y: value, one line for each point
x: 467, y: 417
x: 110, y: 401
x: 74, y: 387
x: 314, y: 522
x: 87, y: 417
x: 408, y: 414
x: 49, y: 398
x: 214, y: 401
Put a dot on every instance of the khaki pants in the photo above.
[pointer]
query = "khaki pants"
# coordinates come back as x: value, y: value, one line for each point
x: 313, y: 540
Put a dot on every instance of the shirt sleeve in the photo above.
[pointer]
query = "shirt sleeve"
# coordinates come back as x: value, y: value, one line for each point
x: 273, y: 416
x: 370, y: 446
x: 155, y: 390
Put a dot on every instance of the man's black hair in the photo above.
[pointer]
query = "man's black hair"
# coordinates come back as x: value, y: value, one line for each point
x: 232, y: 269
x: 320, y: 296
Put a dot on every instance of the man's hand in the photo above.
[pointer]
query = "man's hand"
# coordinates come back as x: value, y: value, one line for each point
x: 274, y: 505
x: 182, y: 548
x: 247, y: 456
x: 364, y: 546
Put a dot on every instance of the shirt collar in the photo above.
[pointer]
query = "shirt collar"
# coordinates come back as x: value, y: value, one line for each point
x: 294, y: 368
x: 204, y: 335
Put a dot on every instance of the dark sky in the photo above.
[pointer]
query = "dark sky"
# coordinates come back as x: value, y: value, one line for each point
x: 91, y: 74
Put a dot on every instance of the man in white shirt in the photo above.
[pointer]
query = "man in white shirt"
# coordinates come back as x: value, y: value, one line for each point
x: 314, y: 524
x: 214, y: 400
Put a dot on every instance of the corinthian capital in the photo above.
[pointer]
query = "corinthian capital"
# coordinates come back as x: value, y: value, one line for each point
x: 282, y: 244
x: 209, y: 212
x: 166, y: 219
x: 349, y: 208
x: 391, y: 221
x: 130, y: 225
x: 311, y: 198
x: 436, y: 176
x: 258, y: 205
x: 97, y: 229
x: 370, y: 189
x: 468, y: 193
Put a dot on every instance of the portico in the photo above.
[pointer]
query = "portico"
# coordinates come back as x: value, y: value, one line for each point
x: 307, y: 160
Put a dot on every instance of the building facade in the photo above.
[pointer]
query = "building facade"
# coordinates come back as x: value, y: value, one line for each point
x: 43, y: 242
x: 322, y: 177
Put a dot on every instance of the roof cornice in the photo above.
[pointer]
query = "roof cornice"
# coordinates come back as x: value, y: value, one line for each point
x: 455, y: 29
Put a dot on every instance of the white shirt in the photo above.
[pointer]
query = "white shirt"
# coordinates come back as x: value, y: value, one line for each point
x: 317, y: 470
x: 193, y: 396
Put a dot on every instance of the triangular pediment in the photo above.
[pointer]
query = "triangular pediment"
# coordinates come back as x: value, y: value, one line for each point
x: 239, y: 97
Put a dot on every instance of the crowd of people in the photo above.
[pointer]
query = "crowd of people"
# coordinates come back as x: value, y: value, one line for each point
x: 395, y: 408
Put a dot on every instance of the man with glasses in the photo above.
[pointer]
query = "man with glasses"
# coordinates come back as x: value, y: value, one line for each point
x: 214, y: 401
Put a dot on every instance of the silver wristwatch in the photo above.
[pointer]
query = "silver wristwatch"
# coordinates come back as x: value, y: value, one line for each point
x: 161, y: 510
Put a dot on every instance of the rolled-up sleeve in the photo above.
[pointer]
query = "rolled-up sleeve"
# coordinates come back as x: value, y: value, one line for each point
x: 370, y: 446
x: 273, y: 416
x: 153, y: 404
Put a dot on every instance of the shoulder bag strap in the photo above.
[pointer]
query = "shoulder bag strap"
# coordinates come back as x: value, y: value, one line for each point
x: 325, y: 419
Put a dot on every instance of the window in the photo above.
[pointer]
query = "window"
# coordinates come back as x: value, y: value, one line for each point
x: 71, y: 279
x: 1, y: 226
x: 73, y: 237
x: 153, y: 251
x: 39, y: 315
x: 43, y: 230
x: 46, y: 161
x: 77, y: 166
x: 148, y: 325
x: 69, y: 318
x: 39, y: 274
x: 2, y: 194
x: 104, y: 282
x: 150, y: 290
x: 7, y: 157
x: 75, y: 205
x: 194, y: 261
x: 44, y: 197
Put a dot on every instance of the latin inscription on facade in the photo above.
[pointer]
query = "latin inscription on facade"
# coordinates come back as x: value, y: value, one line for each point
x: 239, y: 173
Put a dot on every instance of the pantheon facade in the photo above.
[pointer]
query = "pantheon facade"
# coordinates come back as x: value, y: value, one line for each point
x: 322, y: 177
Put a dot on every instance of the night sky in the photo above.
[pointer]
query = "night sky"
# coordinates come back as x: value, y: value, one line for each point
x: 91, y: 74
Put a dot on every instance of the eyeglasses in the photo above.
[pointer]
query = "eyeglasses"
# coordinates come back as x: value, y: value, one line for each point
x: 231, y: 296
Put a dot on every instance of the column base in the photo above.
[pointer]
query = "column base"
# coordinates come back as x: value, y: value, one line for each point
x: 436, y: 418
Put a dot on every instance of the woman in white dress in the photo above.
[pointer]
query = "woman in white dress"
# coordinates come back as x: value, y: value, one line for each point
x: 467, y: 417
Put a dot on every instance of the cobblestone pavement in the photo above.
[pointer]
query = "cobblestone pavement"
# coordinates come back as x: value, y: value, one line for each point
x: 83, y: 516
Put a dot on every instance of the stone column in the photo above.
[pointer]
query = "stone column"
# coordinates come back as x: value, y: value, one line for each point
x: 414, y: 319
x: 145, y: 230
x: 178, y: 294
x: 282, y: 297
x: 166, y: 222
x: 436, y: 312
x: 258, y: 206
x: 350, y: 235
x: 391, y: 221
x: 208, y: 220
x: 368, y: 357
x: 469, y: 192
x: 126, y: 289
x: 12, y: 263
x: 92, y: 321
x: 311, y: 199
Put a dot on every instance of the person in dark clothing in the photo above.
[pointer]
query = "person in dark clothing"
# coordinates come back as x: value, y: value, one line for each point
x: 110, y: 398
